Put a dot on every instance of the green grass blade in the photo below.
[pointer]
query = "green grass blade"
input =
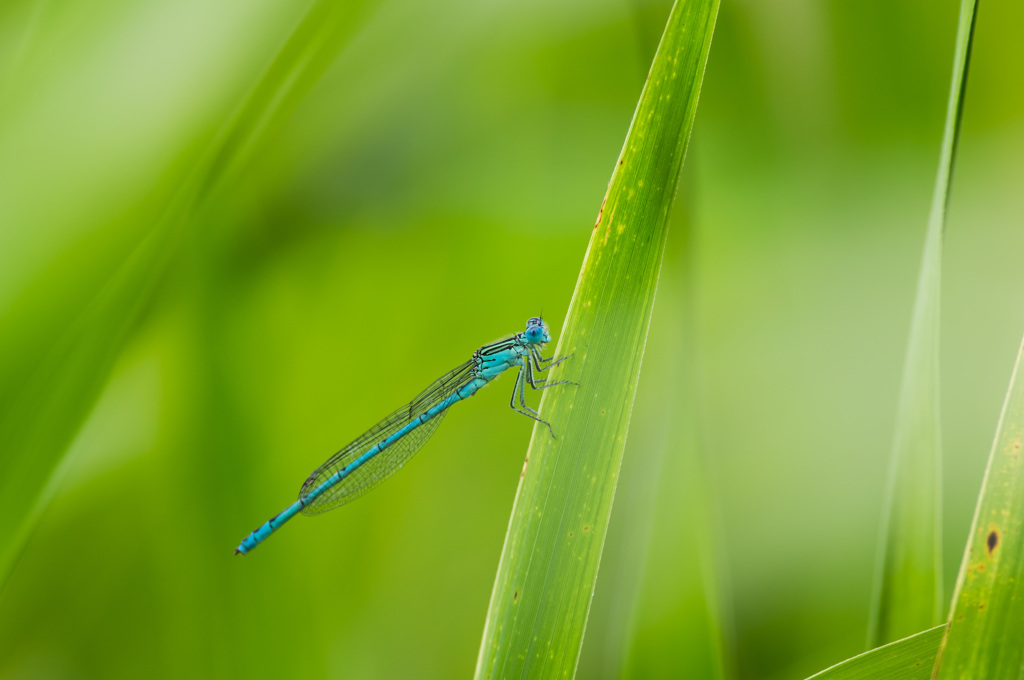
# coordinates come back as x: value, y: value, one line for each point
x: 677, y: 627
x: 44, y: 404
x: 37, y: 428
x: 548, y: 569
x: 907, y: 659
x: 908, y: 578
x: 986, y: 627
x: 676, y: 623
x: 657, y: 607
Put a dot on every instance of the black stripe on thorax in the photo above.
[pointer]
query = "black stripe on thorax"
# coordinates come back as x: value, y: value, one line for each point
x: 496, y: 347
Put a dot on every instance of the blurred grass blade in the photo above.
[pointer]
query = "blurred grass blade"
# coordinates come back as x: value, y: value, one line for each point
x: 657, y: 606
x: 55, y: 384
x: 676, y: 627
x: 985, y: 638
x: 907, y: 659
x: 310, y: 49
x: 545, y: 581
x: 40, y: 423
x: 908, y: 577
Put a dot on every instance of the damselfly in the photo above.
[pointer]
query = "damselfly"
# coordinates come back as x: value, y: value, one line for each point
x: 388, y: 445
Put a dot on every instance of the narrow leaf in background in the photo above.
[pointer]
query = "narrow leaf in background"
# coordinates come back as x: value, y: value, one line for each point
x: 545, y: 581
x: 675, y: 627
x: 39, y: 425
x: 657, y: 606
x: 985, y: 638
x: 908, y: 578
x: 907, y: 659
x: 50, y: 387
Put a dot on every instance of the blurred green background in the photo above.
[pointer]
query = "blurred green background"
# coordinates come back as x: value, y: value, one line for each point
x: 429, y: 185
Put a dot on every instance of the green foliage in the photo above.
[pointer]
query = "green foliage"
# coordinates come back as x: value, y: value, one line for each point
x: 52, y: 385
x: 252, y: 228
x: 911, y: 658
x: 41, y: 417
x: 549, y: 564
x: 908, y: 578
x: 676, y: 624
x: 985, y: 638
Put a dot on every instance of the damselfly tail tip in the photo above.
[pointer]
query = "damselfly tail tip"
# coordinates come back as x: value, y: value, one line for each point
x: 239, y: 551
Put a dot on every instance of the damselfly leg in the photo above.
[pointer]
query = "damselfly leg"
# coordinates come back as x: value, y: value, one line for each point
x: 535, y: 365
x: 526, y: 377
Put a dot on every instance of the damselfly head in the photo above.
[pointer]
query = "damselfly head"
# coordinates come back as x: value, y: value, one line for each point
x: 537, y: 331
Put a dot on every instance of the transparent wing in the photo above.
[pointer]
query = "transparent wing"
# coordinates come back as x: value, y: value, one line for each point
x: 388, y: 461
x: 374, y: 471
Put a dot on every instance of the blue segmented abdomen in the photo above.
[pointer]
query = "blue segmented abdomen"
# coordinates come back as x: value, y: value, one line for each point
x: 374, y: 466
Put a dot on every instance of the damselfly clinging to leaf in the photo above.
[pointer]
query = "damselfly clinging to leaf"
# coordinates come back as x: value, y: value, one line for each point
x: 385, y: 447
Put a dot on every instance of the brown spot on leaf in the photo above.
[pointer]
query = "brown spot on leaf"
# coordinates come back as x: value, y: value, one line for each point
x: 601, y: 211
x: 992, y: 541
x: 515, y: 596
x: 586, y: 528
x: 981, y: 606
x: 981, y: 567
x: 525, y: 463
